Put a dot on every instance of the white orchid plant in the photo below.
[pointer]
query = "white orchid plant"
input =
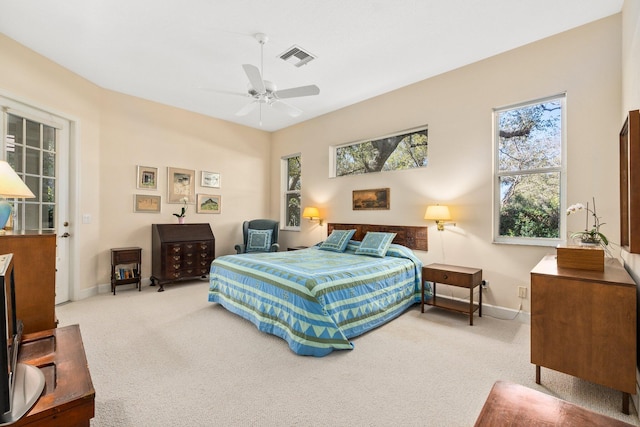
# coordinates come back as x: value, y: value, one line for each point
x: 183, y: 210
x: 589, y: 235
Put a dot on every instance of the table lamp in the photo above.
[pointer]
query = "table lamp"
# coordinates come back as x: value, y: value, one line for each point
x: 10, y: 186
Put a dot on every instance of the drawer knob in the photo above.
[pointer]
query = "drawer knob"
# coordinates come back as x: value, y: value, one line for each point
x: 445, y: 276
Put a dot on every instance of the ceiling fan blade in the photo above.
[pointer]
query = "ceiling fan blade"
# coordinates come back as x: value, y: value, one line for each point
x: 247, y: 108
x: 298, y: 91
x: 255, y: 78
x: 286, y: 108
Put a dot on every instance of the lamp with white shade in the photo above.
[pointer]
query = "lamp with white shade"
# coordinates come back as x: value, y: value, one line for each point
x: 312, y: 213
x: 10, y: 186
x: 438, y: 213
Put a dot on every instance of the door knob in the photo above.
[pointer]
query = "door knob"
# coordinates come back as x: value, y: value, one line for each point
x: 66, y: 235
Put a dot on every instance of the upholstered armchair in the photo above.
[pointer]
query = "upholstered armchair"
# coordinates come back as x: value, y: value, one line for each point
x: 260, y: 235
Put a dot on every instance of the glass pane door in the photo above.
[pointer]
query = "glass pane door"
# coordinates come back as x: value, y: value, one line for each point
x: 31, y: 151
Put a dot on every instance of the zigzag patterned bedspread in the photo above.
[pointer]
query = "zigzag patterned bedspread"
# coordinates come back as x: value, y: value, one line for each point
x: 314, y: 299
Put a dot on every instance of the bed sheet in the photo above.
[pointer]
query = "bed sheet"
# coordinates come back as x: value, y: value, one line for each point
x: 314, y: 299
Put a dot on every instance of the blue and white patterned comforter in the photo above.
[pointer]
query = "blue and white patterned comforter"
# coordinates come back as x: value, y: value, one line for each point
x: 317, y: 300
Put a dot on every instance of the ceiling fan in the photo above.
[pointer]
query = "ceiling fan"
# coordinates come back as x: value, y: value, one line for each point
x: 265, y: 92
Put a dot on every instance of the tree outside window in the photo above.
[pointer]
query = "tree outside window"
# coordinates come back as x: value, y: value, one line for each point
x: 293, y: 186
x: 406, y: 150
x: 529, y: 159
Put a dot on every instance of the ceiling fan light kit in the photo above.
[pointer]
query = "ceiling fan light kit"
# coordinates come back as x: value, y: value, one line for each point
x: 265, y: 92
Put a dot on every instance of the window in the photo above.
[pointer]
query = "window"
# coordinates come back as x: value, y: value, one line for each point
x: 291, y: 196
x: 405, y: 150
x: 30, y: 149
x: 529, y: 144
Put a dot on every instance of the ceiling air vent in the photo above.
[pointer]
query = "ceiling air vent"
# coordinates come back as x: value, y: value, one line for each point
x: 297, y: 56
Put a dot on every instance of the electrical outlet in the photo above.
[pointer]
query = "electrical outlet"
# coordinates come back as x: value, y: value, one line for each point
x: 522, y: 291
x: 485, y: 284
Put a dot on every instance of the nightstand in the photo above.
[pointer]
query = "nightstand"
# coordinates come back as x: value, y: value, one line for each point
x: 126, y: 266
x: 464, y: 277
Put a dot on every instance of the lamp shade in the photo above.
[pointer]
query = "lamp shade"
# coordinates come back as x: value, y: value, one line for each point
x: 10, y: 183
x: 310, y: 212
x: 437, y: 213
x: 10, y: 186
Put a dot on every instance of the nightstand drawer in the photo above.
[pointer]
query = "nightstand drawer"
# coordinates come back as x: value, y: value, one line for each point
x: 125, y: 255
x: 452, y: 275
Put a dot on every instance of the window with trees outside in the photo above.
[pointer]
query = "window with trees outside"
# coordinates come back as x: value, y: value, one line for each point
x: 292, y: 185
x: 405, y: 150
x: 529, y: 145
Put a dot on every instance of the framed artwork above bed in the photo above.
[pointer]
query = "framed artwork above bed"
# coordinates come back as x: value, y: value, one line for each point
x: 378, y: 198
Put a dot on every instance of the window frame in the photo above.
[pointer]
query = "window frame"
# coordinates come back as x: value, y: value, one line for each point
x: 497, y: 174
x: 285, y: 192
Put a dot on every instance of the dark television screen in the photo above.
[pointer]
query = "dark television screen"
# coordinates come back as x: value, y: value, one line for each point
x: 10, y: 332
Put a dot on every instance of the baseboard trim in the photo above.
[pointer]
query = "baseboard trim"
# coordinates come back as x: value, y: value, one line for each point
x: 499, y: 312
x: 105, y: 288
x: 506, y: 313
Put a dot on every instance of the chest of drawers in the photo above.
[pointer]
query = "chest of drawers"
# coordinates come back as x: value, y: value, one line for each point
x: 583, y: 323
x: 180, y: 252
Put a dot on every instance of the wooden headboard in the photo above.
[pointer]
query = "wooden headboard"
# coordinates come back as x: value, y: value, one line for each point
x: 409, y: 236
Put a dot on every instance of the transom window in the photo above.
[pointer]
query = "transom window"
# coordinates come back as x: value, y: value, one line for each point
x: 529, y: 172
x: 404, y: 150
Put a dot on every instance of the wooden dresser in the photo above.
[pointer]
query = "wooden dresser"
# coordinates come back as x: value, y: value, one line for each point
x: 180, y: 252
x: 34, y: 258
x: 583, y: 323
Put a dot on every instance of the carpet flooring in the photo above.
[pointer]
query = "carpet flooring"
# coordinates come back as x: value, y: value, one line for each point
x: 174, y: 359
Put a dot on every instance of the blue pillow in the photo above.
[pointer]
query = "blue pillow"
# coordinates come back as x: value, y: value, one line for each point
x: 375, y: 244
x: 337, y: 241
x: 259, y: 240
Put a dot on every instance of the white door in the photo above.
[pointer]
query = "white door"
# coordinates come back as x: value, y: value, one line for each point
x: 36, y: 145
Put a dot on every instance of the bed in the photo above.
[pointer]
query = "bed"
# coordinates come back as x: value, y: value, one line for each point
x: 315, y: 299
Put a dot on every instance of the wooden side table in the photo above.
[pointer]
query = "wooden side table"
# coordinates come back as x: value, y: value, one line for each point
x: 464, y: 277
x: 68, y: 398
x: 131, y: 256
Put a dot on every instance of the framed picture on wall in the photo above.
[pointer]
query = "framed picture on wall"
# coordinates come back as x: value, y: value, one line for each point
x: 378, y: 198
x: 210, y: 179
x: 147, y: 178
x: 208, y: 204
x: 181, y: 185
x: 146, y: 203
x: 629, y: 183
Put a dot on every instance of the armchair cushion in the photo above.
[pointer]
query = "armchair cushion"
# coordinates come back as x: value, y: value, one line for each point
x: 259, y: 240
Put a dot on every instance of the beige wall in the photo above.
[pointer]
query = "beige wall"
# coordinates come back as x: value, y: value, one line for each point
x: 34, y: 80
x: 113, y: 134
x: 117, y: 132
x: 457, y: 106
x: 137, y: 132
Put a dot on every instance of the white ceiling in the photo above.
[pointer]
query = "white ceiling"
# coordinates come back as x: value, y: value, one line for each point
x: 189, y: 53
